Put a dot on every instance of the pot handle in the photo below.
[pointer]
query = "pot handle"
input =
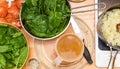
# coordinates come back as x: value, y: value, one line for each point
x: 102, y: 4
x: 112, y: 59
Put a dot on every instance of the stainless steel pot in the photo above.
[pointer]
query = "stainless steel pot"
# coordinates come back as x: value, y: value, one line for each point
x: 40, y: 38
x: 100, y: 34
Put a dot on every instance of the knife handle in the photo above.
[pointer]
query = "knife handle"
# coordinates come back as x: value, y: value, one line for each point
x: 87, y: 56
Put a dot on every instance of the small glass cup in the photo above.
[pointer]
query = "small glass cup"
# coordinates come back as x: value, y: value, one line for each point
x: 69, y: 48
x: 32, y: 63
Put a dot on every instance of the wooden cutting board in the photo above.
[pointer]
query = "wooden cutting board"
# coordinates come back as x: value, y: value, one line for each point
x: 46, y: 54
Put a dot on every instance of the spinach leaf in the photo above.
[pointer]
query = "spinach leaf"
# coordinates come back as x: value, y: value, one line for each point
x: 40, y: 23
x: 41, y: 6
x: 36, y: 32
x: 1, y: 39
x: 5, y: 48
x: 31, y: 11
x: 8, y: 56
x: 51, y: 4
x: 9, y: 65
x: 34, y: 2
x: 16, y: 52
x: 10, y: 31
x: 2, y: 30
x: 55, y: 18
x: 17, y: 34
x: 2, y: 62
x: 6, y: 39
x: 28, y: 3
x: 18, y: 42
x: 23, y: 54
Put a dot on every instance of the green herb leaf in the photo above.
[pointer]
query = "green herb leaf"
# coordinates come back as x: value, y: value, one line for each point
x: 5, y: 48
x: 2, y: 62
x: 34, y: 2
x: 55, y: 18
x: 22, y: 57
x: 17, y: 34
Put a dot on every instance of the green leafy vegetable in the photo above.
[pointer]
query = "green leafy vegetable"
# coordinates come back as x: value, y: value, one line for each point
x: 2, y: 62
x: 5, y: 48
x: 45, y: 18
x: 13, y: 49
x: 17, y: 34
x: 22, y: 57
x: 55, y: 19
x: 34, y: 2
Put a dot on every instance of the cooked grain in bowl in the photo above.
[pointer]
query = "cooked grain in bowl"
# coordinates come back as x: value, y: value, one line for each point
x: 110, y: 21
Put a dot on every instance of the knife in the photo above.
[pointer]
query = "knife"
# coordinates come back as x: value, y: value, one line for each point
x: 77, y: 30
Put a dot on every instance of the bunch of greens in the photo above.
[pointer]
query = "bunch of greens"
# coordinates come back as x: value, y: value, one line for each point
x: 45, y: 18
x: 13, y: 49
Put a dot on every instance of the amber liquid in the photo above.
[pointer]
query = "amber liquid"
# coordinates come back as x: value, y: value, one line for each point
x: 69, y: 47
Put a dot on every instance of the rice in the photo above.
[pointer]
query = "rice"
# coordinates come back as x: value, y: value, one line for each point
x: 109, y: 22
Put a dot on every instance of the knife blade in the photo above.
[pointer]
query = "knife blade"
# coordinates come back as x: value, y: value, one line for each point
x: 77, y: 30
